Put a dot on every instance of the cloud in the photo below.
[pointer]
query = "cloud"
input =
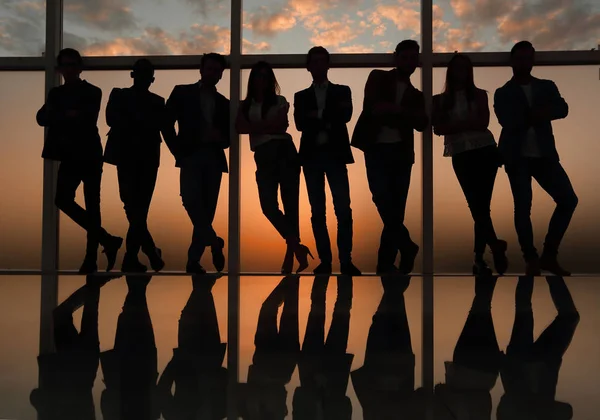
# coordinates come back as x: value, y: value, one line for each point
x: 206, y: 7
x: 549, y: 24
x: 405, y: 16
x: 22, y: 26
x: 266, y: 23
x: 155, y: 41
x: 354, y: 49
x: 447, y: 39
x: 106, y: 15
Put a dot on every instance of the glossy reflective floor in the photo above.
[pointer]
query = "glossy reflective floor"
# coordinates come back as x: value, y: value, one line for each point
x: 306, y: 348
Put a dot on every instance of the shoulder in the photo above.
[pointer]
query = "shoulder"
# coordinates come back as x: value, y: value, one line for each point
x: 378, y: 74
x: 281, y: 100
x: 92, y: 88
x: 481, y: 94
x: 503, y: 88
x: 341, y: 88
x: 302, y: 92
x: 545, y: 83
x: 156, y: 98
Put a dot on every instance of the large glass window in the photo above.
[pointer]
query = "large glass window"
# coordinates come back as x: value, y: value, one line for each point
x: 168, y: 221
x: 22, y: 28
x: 293, y: 26
x: 139, y: 27
x: 489, y: 25
x: 262, y: 247
x: 21, y: 170
x: 577, y: 146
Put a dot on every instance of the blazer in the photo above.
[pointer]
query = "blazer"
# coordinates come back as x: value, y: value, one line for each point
x: 337, y: 113
x: 512, y: 110
x: 72, y: 138
x: 380, y: 88
x: 184, y: 107
x: 136, y: 119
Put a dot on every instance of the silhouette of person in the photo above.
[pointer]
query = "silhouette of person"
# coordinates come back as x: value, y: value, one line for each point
x: 137, y: 117
x: 530, y: 372
x: 321, y: 113
x: 263, y: 114
x: 67, y: 375
x: 525, y: 107
x: 263, y: 397
x: 196, y: 367
x: 324, y: 365
x: 393, y: 108
x: 71, y: 116
x: 461, y: 114
x: 202, y: 115
x: 130, y: 368
x: 475, y: 365
x: 385, y: 384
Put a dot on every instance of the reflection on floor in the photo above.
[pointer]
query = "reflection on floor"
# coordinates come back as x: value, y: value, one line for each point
x: 309, y: 348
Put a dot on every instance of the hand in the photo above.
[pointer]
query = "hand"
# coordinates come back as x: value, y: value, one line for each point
x: 72, y: 113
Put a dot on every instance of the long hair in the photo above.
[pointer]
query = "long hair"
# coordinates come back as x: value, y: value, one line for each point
x: 272, y: 89
x: 449, y: 93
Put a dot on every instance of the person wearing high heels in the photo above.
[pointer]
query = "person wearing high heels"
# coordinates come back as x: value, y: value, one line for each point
x: 461, y: 114
x: 264, y: 116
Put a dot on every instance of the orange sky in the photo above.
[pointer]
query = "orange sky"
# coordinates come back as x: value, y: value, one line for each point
x: 262, y: 249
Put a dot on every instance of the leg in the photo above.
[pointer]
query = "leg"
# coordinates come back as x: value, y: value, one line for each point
x: 198, y: 325
x: 554, y: 180
x: 267, y: 181
x: 408, y: 249
x: 210, y: 190
x: 519, y: 176
x: 315, y: 186
x: 191, y: 184
x: 521, y: 338
x: 129, y: 192
x: 92, y: 180
x: 381, y: 190
x: 337, y: 338
x: 147, y: 186
x: 290, y: 188
x: 314, y: 337
x: 337, y: 177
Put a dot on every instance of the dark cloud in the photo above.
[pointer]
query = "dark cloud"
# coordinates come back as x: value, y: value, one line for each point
x: 106, y: 15
x: 208, y: 7
x: 22, y: 27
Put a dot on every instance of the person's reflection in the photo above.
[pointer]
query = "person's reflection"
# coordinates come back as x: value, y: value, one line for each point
x: 385, y: 383
x: 324, y: 365
x: 475, y: 365
x: 130, y: 368
x: 275, y: 356
x: 67, y: 376
x: 530, y: 374
x: 196, y: 367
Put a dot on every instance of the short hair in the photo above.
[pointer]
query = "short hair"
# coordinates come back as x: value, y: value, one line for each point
x: 521, y: 45
x: 213, y: 56
x: 69, y: 53
x: 315, y: 51
x: 407, y: 45
x: 143, y: 65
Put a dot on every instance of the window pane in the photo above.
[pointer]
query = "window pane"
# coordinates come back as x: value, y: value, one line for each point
x: 577, y: 146
x: 168, y: 221
x: 292, y: 27
x: 139, y: 27
x: 22, y: 28
x: 487, y: 25
x: 262, y: 247
x: 21, y: 170
x: 577, y: 375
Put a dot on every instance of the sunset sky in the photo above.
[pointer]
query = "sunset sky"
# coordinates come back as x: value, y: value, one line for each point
x: 138, y: 27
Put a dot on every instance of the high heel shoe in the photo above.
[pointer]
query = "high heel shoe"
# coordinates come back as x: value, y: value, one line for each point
x: 302, y: 252
x: 499, y: 255
x: 288, y: 261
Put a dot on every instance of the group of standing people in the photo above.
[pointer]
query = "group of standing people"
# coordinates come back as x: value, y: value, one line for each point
x: 392, y: 110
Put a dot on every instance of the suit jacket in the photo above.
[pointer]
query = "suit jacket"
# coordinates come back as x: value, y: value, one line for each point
x: 380, y: 87
x: 136, y: 119
x: 72, y: 138
x: 512, y: 109
x: 334, y: 119
x: 184, y: 107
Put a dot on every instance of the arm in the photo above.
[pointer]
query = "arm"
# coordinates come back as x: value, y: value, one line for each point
x: 417, y: 115
x: 49, y: 114
x: 170, y: 117
x: 556, y: 109
x: 506, y: 113
x: 341, y: 113
x: 371, y: 88
x: 478, y: 121
x: 275, y: 125
x: 113, y: 109
x: 90, y: 111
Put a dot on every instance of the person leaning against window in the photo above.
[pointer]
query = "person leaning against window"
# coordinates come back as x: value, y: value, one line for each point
x: 461, y: 114
x: 264, y: 116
